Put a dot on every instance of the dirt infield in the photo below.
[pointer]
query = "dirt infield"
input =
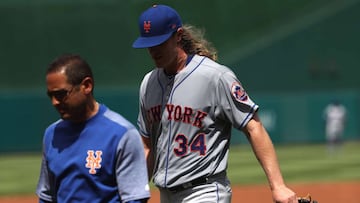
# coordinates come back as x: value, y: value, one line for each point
x: 322, y: 192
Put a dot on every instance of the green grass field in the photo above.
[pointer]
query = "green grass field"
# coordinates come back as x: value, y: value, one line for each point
x: 299, y: 164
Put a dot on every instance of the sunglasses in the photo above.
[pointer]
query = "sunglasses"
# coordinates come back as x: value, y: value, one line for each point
x: 59, y: 95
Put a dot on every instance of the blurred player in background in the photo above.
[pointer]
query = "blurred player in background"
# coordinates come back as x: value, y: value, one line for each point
x: 335, y: 119
x: 188, y: 106
x: 92, y: 154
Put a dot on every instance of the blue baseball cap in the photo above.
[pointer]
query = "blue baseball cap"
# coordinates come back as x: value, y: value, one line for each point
x: 156, y: 25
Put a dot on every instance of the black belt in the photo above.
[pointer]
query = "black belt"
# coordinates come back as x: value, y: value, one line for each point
x: 193, y: 183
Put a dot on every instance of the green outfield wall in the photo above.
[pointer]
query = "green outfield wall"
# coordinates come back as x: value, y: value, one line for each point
x: 289, y: 118
x: 293, y: 57
x: 298, y: 117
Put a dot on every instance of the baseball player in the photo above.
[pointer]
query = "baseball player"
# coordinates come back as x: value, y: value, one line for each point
x: 92, y: 154
x: 335, y: 118
x: 188, y: 106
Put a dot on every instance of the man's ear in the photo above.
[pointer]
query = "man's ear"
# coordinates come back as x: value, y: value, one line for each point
x: 179, y: 33
x: 87, y: 85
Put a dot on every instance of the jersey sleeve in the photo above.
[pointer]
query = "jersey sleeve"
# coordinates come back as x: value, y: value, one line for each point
x: 44, y: 189
x: 131, y: 170
x: 142, y: 121
x: 235, y: 104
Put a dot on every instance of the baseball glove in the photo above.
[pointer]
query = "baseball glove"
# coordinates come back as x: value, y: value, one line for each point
x: 306, y: 199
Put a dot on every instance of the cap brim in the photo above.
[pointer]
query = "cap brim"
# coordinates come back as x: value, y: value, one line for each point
x: 147, y: 42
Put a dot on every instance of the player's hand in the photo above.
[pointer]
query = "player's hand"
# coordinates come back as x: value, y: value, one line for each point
x: 283, y: 194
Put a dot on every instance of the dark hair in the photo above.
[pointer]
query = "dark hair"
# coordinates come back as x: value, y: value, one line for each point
x: 74, y: 67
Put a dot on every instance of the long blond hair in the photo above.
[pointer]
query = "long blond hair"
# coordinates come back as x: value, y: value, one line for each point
x: 194, y: 42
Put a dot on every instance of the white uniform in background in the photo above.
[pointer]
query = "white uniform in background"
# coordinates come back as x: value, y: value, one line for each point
x: 335, y: 117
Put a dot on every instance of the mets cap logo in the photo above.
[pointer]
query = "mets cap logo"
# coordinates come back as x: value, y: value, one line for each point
x: 238, y: 92
x: 147, y: 26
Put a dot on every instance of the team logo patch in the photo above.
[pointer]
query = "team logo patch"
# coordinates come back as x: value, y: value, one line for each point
x: 93, y: 161
x: 238, y: 92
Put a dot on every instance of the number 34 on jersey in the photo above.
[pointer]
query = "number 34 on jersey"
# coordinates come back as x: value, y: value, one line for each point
x: 185, y: 115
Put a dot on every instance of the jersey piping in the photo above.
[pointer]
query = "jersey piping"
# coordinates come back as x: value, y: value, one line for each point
x: 169, y: 124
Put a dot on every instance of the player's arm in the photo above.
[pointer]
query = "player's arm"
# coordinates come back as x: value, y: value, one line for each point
x: 149, y: 155
x: 44, y: 189
x: 265, y: 153
x: 130, y: 168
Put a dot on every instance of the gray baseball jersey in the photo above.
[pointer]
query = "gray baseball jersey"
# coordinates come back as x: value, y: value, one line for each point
x: 189, y: 118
